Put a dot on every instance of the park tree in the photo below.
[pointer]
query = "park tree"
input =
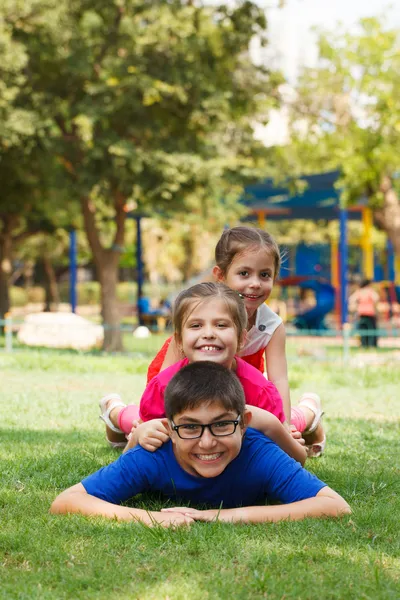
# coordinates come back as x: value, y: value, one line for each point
x: 148, y: 103
x: 12, y: 61
x: 346, y: 115
x: 29, y: 207
x: 29, y: 198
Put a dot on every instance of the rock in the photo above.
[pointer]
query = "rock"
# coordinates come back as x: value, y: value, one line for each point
x: 60, y: 330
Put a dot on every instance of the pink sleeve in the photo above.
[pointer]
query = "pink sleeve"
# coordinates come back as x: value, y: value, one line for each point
x: 152, y: 401
x: 270, y: 399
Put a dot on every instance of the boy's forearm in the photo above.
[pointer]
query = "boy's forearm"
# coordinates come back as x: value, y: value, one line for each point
x: 83, y: 503
x: 319, y: 506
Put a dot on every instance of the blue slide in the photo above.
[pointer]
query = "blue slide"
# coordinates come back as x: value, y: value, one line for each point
x: 325, y: 303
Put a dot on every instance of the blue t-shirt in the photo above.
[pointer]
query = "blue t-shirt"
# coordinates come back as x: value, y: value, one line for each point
x: 260, y: 472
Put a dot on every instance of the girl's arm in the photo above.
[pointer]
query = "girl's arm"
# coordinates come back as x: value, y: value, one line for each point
x: 150, y: 435
x: 271, y: 427
x: 76, y: 500
x: 275, y: 359
x: 327, y: 503
x: 172, y: 356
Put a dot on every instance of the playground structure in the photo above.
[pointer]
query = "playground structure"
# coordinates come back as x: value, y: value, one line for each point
x: 311, y: 318
x: 325, y: 270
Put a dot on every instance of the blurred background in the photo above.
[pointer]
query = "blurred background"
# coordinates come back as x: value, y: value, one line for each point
x: 132, y: 132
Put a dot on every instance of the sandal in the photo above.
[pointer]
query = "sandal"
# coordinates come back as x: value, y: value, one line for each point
x: 105, y: 416
x: 313, y: 402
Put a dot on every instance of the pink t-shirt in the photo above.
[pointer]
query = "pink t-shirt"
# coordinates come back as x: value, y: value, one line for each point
x: 366, y: 299
x: 258, y: 391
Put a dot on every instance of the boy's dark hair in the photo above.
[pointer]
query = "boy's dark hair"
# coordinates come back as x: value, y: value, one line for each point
x: 202, y: 382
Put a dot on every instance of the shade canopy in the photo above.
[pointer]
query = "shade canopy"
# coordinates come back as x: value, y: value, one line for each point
x: 319, y: 200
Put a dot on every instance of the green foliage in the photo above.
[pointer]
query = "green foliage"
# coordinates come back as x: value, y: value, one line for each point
x: 35, y: 294
x: 347, y: 113
x: 52, y: 438
x: 142, y: 96
x: 148, y: 101
x: 18, y: 296
x: 88, y: 292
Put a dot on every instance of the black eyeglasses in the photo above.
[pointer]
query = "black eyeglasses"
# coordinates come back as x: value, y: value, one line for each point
x: 191, y: 431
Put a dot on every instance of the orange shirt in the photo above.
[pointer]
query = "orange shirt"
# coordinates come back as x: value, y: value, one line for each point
x: 366, y: 299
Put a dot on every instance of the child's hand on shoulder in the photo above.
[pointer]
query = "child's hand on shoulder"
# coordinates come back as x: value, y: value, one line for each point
x: 296, y: 435
x: 152, y: 434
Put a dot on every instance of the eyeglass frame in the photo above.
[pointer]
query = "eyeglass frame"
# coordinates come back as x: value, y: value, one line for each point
x: 209, y: 426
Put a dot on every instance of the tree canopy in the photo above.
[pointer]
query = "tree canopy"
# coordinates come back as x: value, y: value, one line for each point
x: 346, y: 114
x: 147, y: 101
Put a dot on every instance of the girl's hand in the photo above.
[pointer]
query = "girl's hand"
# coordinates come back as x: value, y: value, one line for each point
x: 135, y: 425
x: 152, y: 434
x: 296, y: 435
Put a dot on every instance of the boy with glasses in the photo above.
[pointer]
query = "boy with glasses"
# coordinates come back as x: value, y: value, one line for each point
x: 212, y: 458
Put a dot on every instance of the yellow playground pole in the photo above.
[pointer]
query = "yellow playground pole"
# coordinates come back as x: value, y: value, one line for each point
x: 366, y: 244
x: 335, y: 277
x: 261, y: 219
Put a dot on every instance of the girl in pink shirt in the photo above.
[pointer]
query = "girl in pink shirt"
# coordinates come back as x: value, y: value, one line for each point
x: 210, y: 324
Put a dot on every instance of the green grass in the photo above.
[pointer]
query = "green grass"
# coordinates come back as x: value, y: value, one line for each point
x: 51, y: 437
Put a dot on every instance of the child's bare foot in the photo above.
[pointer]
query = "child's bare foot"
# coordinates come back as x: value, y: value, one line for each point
x: 314, y: 434
x: 110, y: 407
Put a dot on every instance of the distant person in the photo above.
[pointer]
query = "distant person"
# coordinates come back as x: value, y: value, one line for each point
x: 211, y: 458
x: 364, y: 302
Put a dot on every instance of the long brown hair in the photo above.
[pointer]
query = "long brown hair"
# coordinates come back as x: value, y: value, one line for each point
x: 241, y: 239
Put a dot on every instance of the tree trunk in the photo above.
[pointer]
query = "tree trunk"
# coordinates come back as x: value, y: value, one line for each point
x: 388, y: 216
x: 5, y: 268
x: 107, y: 261
x: 52, y: 296
x: 188, y: 243
x: 108, y: 276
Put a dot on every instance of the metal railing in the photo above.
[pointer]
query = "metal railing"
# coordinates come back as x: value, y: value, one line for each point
x: 349, y: 337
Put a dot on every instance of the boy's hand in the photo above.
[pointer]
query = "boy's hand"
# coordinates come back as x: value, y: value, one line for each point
x: 192, y: 513
x: 173, y: 519
x: 152, y: 434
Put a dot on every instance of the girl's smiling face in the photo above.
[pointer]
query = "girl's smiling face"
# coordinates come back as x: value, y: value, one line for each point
x: 209, y: 332
x: 251, y: 273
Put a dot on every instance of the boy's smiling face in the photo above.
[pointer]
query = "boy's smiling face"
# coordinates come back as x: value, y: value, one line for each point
x: 209, y: 455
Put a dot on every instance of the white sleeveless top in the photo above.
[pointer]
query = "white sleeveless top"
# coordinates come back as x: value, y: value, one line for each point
x: 260, y: 334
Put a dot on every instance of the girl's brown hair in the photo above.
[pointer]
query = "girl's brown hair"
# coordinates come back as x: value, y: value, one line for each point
x: 205, y: 292
x: 241, y: 239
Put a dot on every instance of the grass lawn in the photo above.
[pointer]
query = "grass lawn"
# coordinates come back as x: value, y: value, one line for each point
x: 51, y: 438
